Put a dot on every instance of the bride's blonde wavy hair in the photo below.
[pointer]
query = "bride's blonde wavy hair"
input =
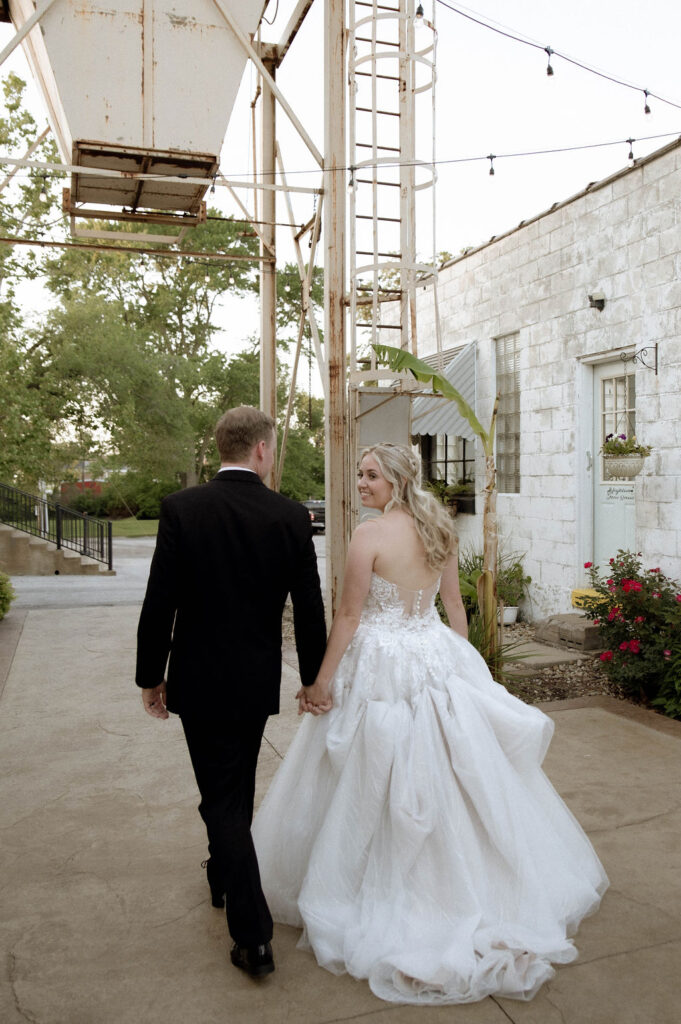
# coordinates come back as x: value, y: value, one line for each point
x: 402, y: 469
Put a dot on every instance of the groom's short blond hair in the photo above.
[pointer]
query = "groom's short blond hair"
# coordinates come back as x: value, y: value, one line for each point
x: 239, y: 430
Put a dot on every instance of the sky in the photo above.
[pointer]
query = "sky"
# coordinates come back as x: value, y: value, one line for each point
x: 492, y: 96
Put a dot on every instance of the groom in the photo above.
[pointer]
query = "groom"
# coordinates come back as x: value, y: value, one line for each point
x: 227, y: 555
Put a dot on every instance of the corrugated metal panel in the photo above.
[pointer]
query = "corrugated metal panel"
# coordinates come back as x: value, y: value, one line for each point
x: 438, y: 416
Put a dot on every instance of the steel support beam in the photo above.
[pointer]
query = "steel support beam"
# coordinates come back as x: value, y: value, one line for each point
x: 337, y: 456
x: 268, y: 269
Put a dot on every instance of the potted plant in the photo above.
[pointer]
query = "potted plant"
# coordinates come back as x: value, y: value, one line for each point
x: 512, y: 584
x: 623, y: 456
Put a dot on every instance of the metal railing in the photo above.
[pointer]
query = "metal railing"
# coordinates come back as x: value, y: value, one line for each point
x: 57, y: 524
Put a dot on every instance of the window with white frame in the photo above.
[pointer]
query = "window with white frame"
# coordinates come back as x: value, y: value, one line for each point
x: 508, y: 414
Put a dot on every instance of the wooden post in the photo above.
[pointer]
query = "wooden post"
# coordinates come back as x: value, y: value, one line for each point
x: 335, y: 180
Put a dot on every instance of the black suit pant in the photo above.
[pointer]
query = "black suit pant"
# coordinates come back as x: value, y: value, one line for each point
x: 224, y: 755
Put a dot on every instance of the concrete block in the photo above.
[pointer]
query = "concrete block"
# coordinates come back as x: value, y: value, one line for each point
x: 572, y: 630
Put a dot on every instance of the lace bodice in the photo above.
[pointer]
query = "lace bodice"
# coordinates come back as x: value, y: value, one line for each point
x: 390, y: 605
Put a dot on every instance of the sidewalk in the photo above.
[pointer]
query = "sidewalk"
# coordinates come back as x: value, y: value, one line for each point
x: 105, y: 916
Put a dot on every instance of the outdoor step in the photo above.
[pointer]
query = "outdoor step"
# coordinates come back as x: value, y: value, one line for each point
x: 572, y: 630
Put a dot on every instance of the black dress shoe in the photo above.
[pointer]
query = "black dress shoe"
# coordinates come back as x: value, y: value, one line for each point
x: 217, y: 892
x: 256, y: 961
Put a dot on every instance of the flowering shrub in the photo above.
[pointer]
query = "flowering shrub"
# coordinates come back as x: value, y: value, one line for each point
x: 620, y: 444
x: 638, y: 612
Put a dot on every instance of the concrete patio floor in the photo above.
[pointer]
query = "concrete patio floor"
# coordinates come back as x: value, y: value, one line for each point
x: 105, y: 916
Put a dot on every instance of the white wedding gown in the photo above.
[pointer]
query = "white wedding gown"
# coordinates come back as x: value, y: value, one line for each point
x: 411, y: 831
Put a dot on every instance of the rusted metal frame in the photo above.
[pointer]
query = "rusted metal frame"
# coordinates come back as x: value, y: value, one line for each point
x: 268, y: 267
x: 31, y: 149
x: 407, y: 177
x: 250, y: 218
x: 88, y: 213
x: 268, y: 77
x: 375, y: 306
x: 147, y: 73
x: 215, y: 257
x: 146, y: 161
x: 306, y: 275
x: 352, y: 185
x: 295, y: 21
x: 106, y: 172
x: 122, y: 236
x: 21, y: 34
x: 337, y: 453
x: 291, y: 397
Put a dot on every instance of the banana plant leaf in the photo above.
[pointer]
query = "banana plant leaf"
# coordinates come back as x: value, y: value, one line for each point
x: 399, y: 359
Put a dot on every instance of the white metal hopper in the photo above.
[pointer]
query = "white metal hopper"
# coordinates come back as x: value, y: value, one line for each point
x: 139, y: 86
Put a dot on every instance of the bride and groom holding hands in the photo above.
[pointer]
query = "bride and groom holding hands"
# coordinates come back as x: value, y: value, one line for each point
x: 410, y: 831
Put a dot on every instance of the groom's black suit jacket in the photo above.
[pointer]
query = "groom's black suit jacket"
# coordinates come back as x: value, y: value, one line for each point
x: 227, y: 554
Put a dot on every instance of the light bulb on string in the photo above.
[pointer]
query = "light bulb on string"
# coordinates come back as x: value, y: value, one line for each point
x: 231, y: 280
x: 491, y: 159
x: 42, y: 196
x: 418, y: 17
x: 630, y: 155
x: 212, y: 188
x: 352, y: 184
x: 549, y: 53
x: 287, y: 288
x: 646, y: 107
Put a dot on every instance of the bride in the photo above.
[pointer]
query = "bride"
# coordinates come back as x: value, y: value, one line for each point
x: 410, y: 830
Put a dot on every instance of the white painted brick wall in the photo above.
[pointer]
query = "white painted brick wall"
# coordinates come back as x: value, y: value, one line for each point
x: 623, y: 239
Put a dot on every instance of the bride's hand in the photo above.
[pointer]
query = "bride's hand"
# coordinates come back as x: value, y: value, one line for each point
x: 315, y: 699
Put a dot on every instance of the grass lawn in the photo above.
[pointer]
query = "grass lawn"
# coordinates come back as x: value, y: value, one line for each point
x: 135, y: 527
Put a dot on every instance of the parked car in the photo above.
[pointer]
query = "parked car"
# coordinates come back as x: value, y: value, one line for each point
x: 317, y: 510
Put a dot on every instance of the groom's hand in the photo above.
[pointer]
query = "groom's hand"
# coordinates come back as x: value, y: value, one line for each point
x: 154, y: 701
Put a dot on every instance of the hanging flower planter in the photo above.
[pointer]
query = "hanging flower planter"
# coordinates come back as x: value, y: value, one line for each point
x: 618, y: 467
x: 623, y: 457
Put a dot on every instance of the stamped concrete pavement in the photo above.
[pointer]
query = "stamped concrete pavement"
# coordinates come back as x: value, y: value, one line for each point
x: 104, y: 910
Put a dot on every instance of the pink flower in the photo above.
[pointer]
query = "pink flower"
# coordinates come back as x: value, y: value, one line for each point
x: 655, y: 594
x: 587, y: 565
x: 667, y: 654
x: 678, y: 597
x: 606, y: 656
x: 639, y: 618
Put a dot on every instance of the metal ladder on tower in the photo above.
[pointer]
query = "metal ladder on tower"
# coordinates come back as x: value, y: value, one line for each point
x: 391, y: 65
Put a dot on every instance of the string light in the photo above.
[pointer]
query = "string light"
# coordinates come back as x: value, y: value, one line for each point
x: 631, y: 148
x: 418, y: 16
x: 231, y: 280
x: 42, y: 196
x: 646, y: 108
x: 491, y: 159
x: 556, y: 53
x: 549, y: 53
x: 212, y: 188
x: 352, y: 185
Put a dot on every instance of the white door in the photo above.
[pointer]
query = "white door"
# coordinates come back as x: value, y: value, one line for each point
x: 614, y: 413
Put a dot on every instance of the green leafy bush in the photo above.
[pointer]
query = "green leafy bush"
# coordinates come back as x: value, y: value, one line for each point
x: 638, y: 613
x: 7, y: 594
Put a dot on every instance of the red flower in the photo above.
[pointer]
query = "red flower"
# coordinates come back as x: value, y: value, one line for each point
x: 639, y: 618
x: 606, y: 656
x: 608, y: 581
x: 613, y: 613
x: 678, y: 597
x: 655, y: 594
x: 597, y: 622
x: 624, y: 646
x: 612, y: 561
x: 587, y: 565
x: 634, y: 646
x: 654, y: 570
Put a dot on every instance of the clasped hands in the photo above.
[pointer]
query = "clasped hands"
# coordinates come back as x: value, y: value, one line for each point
x: 315, y: 699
